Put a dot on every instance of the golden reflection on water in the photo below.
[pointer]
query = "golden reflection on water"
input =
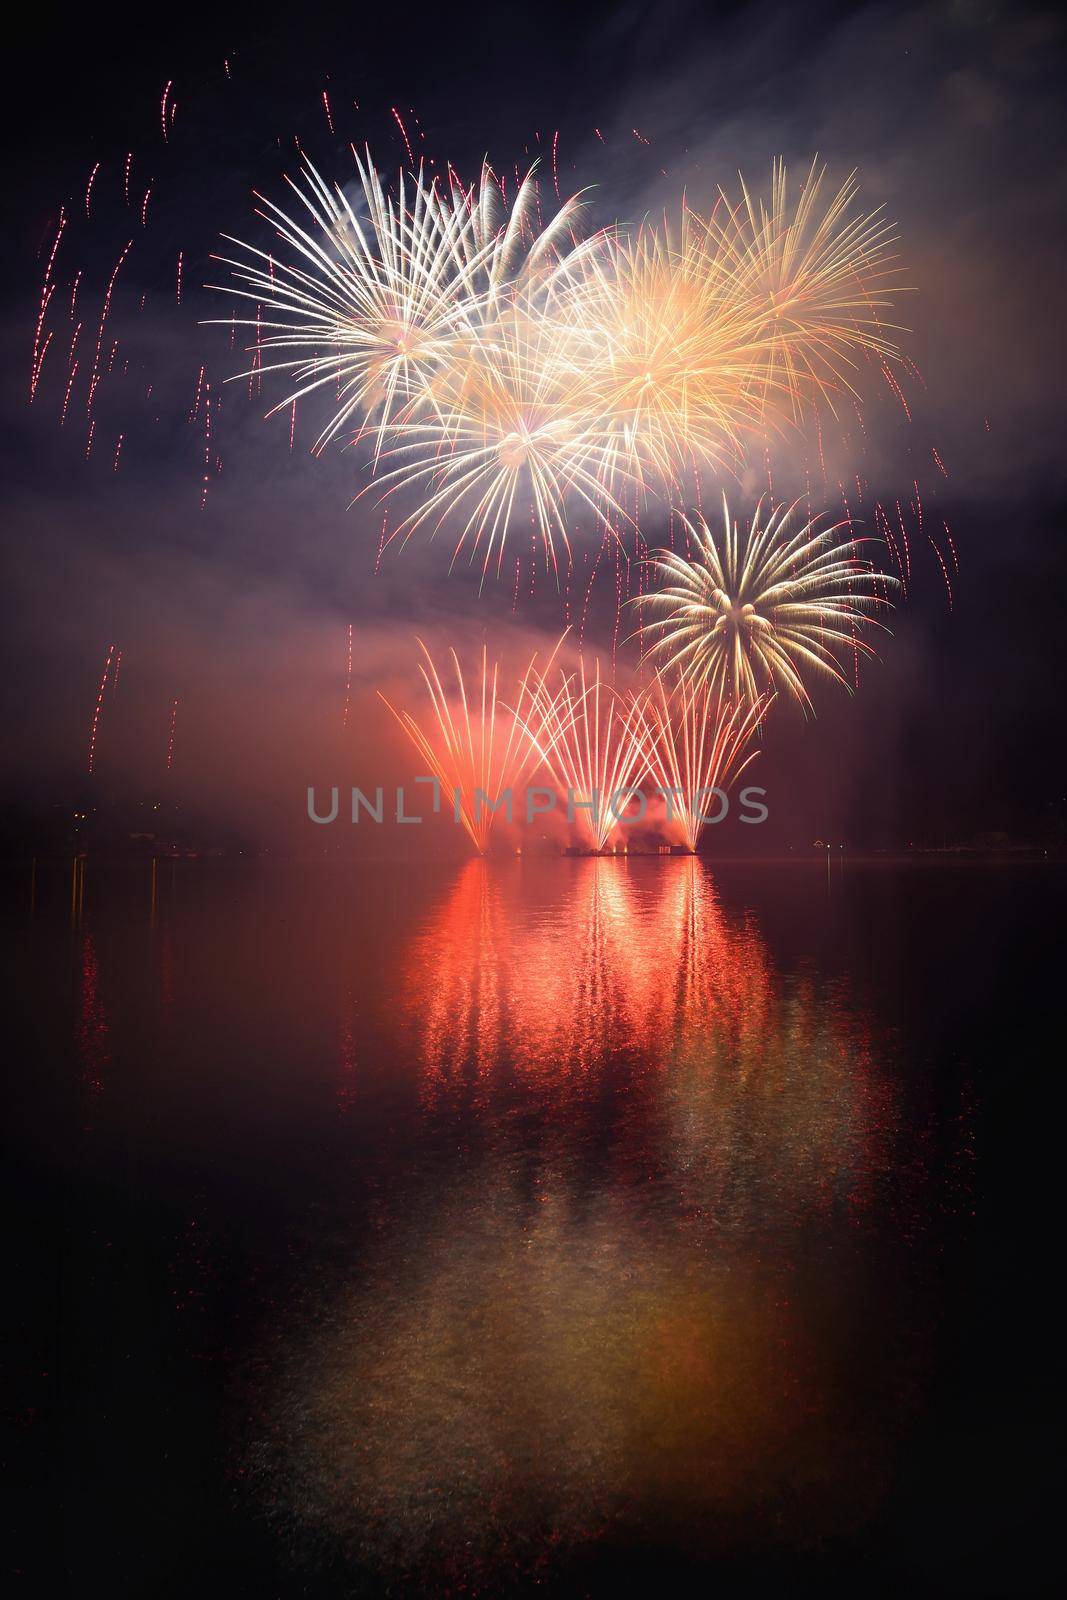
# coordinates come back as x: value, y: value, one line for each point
x: 601, y: 1310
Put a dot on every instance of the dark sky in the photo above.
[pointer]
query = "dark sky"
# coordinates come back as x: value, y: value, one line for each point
x: 950, y: 112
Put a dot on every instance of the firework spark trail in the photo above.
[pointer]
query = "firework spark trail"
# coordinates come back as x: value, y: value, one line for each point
x: 696, y: 743
x: 897, y: 390
x: 404, y: 132
x: 944, y: 568
x: 348, y: 680
x: 45, y: 346
x: 763, y: 606
x: 94, y: 377
x: 89, y: 189
x: 170, y: 740
x: 195, y: 408
x: 474, y: 746
x: 207, y: 446
x: 47, y: 289
x: 95, y: 724
x: 951, y: 545
x: 883, y: 523
x: 907, y: 545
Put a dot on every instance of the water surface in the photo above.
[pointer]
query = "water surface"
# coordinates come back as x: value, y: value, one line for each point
x: 530, y: 1224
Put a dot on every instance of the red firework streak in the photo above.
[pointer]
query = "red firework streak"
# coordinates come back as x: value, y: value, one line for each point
x: 348, y: 681
x: 99, y: 703
x: 170, y: 741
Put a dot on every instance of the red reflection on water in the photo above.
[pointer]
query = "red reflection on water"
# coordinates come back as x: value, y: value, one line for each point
x: 639, y: 963
x: 625, y: 957
x: 347, y: 1057
x: 597, y: 1307
x: 92, y: 1032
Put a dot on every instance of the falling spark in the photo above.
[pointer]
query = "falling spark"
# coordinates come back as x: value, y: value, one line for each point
x: 348, y: 680
x: 404, y: 132
x: 170, y: 741
x: 94, y: 726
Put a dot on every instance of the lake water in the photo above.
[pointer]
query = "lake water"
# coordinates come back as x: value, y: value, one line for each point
x: 532, y: 1224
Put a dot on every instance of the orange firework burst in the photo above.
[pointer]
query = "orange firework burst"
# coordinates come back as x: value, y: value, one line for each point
x: 696, y: 745
x: 813, y: 281
x: 595, y: 744
x: 668, y: 347
x: 474, y: 746
x: 511, y: 373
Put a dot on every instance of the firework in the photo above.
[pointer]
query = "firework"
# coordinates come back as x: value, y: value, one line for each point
x: 697, y: 747
x: 509, y: 372
x: 374, y: 299
x: 812, y: 280
x: 98, y: 707
x: 504, y: 374
x: 764, y: 605
x: 173, y: 731
x: 668, y: 345
x: 507, y: 435
x: 474, y: 746
x: 696, y: 334
x: 594, y: 743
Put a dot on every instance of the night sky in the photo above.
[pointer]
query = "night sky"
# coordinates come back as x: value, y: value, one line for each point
x: 950, y: 113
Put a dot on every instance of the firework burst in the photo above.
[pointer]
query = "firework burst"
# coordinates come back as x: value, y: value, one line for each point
x: 364, y: 302
x: 668, y: 349
x: 510, y: 371
x: 764, y: 605
x: 473, y: 745
x: 506, y: 434
x: 373, y: 299
x: 812, y: 282
x: 696, y: 744
x: 594, y: 743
